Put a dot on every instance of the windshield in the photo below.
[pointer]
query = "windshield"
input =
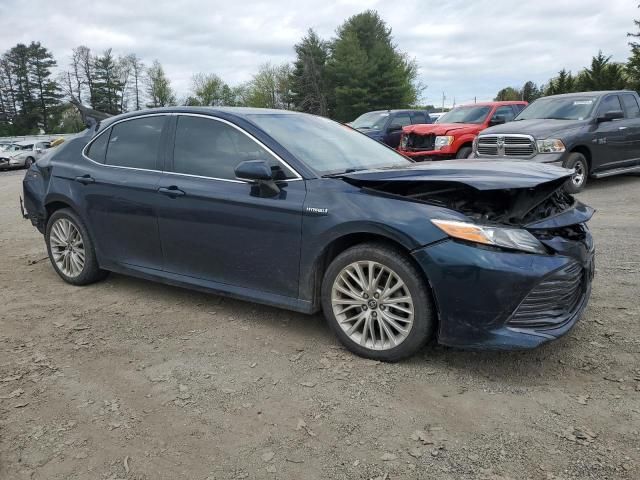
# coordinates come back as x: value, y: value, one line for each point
x: 371, y: 120
x: 570, y: 108
x: 9, y: 148
x: 326, y: 146
x: 470, y: 114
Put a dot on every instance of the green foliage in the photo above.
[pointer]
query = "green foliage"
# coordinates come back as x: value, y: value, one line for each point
x: 269, y: 88
x: 159, y: 87
x: 366, y: 71
x: 309, y: 86
x: 210, y: 89
x: 508, y: 94
x: 563, y: 83
x: 602, y: 75
x: 107, y: 86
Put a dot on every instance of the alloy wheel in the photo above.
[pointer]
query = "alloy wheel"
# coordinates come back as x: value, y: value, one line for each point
x: 67, y: 247
x: 372, y: 305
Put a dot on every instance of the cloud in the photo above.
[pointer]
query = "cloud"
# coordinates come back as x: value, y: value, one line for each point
x: 465, y: 49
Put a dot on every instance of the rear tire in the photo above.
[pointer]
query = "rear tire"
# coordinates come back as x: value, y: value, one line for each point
x: 464, y: 152
x: 385, y: 311
x: 578, y: 181
x: 71, y: 249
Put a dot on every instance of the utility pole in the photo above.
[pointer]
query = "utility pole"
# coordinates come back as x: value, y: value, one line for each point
x: 475, y: 99
x: 443, y: 99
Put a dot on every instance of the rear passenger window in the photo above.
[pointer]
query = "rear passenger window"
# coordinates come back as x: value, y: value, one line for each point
x: 98, y: 148
x: 136, y: 143
x: 631, y: 106
x: 400, y: 120
x: 210, y: 148
x: 419, y: 117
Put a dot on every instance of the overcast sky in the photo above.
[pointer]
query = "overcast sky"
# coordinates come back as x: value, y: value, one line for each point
x: 464, y: 48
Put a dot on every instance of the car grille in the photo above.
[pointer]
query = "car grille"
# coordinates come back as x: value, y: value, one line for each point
x: 553, y: 301
x: 506, y: 146
x: 420, y: 142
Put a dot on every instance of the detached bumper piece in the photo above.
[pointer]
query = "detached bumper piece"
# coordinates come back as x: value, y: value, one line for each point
x: 554, y: 301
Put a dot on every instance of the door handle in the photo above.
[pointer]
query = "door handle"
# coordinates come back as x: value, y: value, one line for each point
x: 171, y: 191
x: 85, y: 179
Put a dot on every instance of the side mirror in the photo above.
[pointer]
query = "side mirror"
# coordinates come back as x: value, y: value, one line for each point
x: 497, y: 120
x: 38, y: 150
x: 258, y: 172
x: 611, y: 115
x: 394, y: 128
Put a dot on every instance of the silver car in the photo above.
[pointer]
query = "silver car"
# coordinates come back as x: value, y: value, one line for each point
x: 21, y: 154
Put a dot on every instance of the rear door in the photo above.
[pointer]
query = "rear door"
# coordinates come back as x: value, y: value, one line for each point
x: 220, y: 229
x: 119, y: 187
x: 632, y: 126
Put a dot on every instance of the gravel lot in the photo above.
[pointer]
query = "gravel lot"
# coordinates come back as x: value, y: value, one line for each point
x: 134, y: 380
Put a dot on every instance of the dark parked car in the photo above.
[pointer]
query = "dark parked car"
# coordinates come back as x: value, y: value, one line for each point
x: 300, y: 212
x: 386, y: 125
x: 595, y: 134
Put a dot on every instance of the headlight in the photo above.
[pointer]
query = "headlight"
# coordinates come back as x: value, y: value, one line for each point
x: 443, y: 141
x: 505, y: 237
x: 404, y: 140
x: 550, y: 145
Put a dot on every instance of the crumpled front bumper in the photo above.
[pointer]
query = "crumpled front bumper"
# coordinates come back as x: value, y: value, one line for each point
x: 479, y: 290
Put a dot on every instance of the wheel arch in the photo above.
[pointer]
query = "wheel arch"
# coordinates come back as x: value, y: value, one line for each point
x: 586, y: 152
x: 343, y: 242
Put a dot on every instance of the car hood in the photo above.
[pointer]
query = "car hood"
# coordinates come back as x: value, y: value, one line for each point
x: 371, y: 132
x: 478, y: 174
x: 17, y: 153
x: 507, y: 192
x: 539, y: 128
x: 443, y: 128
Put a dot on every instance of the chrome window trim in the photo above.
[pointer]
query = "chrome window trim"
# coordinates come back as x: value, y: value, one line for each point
x: 210, y: 117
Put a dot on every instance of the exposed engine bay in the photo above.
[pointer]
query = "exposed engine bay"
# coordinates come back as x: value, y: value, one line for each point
x: 505, y: 206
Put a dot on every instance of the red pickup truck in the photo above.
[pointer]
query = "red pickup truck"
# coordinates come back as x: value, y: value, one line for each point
x: 453, y: 134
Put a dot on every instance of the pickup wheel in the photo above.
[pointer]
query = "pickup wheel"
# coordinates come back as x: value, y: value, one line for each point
x: 579, y: 164
x: 377, y: 303
x: 464, y: 152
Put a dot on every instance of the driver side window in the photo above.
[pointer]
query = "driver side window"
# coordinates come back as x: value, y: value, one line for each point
x: 506, y: 112
x: 609, y: 103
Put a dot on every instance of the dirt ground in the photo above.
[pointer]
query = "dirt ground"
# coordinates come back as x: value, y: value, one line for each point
x: 130, y: 379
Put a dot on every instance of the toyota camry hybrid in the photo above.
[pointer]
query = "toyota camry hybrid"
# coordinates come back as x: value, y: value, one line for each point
x: 299, y: 212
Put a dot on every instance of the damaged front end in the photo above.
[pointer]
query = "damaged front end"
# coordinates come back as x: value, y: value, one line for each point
x: 525, y: 242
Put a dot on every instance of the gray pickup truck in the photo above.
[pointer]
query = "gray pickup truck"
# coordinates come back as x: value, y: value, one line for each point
x: 597, y: 134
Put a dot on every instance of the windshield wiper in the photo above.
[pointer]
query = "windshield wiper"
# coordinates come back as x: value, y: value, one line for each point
x: 343, y: 172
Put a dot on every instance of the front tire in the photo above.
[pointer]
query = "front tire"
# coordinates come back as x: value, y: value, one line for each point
x: 71, y: 249
x: 464, y: 152
x: 579, y: 164
x: 28, y: 162
x: 377, y: 303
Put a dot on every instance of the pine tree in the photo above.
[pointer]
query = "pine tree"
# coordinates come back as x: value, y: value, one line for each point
x: 308, y: 78
x: 47, y: 94
x: 602, y: 75
x: 633, y: 64
x: 107, y: 86
x: 366, y: 71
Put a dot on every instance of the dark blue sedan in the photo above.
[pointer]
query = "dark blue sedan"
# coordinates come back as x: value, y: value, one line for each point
x: 300, y: 212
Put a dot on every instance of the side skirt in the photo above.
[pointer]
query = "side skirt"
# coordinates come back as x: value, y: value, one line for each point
x: 207, y: 286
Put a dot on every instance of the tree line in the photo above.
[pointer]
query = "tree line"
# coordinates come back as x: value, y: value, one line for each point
x: 357, y: 71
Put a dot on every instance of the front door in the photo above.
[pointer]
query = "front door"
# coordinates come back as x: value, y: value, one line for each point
x: 609, y: 141
x: 217, y: 228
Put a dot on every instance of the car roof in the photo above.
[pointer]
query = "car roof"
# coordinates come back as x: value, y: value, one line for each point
x: 496, y: 103
x: 26, y: 142
x: 597, y: 93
